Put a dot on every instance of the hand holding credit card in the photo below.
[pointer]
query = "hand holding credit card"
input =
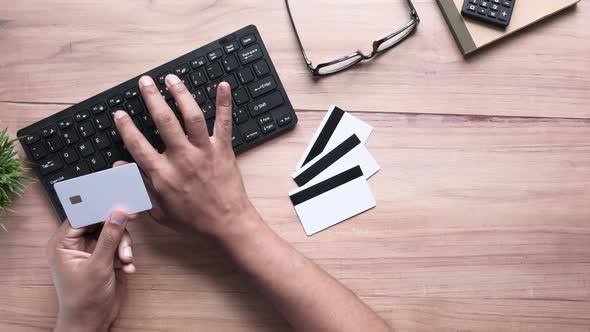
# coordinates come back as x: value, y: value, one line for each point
x: 90, y: 198
x: 333, y: 173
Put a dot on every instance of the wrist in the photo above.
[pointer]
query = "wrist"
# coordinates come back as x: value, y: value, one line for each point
x: 244, y: 223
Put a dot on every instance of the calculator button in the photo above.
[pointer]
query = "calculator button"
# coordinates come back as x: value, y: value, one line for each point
x: 492, y: 14
x: 484, y: 4
x: 472, y: 8
x: 507, y: 4
x: 503, y: 15
x: 482, y: 11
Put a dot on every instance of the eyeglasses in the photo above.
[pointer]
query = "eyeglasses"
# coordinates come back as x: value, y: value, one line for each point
x: 345, y: 62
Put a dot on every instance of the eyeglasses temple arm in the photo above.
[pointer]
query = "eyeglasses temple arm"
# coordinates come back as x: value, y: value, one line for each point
x: 307, y: 61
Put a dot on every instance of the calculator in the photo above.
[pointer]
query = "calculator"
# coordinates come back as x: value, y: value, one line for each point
x: 495, y: 12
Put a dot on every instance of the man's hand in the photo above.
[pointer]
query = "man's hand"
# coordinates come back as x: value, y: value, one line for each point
x: 195, y: 184
x: 88, y: 267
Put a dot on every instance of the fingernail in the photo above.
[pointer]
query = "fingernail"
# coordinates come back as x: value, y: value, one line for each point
x: 224, y: 85
x: 128, y: 252
x: 118, y: 217
x: 146, y: 81
x: 172, y: 79
x: 119, y: 115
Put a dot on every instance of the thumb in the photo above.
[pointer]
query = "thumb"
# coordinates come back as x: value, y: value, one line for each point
x: 110, y: 236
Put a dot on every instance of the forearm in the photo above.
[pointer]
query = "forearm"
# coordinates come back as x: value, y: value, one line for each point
x: 309, y: 298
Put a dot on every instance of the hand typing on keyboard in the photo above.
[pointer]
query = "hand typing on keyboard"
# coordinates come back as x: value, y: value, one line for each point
x: 195, y: 184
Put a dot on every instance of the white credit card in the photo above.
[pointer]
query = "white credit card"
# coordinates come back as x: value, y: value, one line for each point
x: 348, y: 153
x: 336, y: 126
x: 332, y: 200
x: 89, y: 199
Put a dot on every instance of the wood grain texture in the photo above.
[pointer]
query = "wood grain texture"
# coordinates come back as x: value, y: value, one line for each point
x: 481, y: 224
x: 481, y: 221
x: 66, y: 51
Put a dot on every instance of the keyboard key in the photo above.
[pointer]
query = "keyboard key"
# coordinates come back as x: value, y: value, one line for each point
x: 165, y: 93
x: 235, y: 137
x: 264, y: 119
x: 181, y: 70
x: 231, y: 47
x: 131, y: 93
x: 262, y: 86
x: 50, y: 165
x: 240, y: 96
x: 230, y: 63
x: 102, y: 122
x: 82, y: 168
x: 48, y: 131
x: 245, y: 75
x: 115, y: 100
x: 251, y: 135
x: 97, y: 162
x: 231, y: 80
x: 250, y: 54
x: 214, y: 55
x: 101, y: 141
x: 100, y: 107
x: 85, y: 129
x: 162, y: 78
x: 265, y: 103
x: 81, y: 116
x: 134, y: 107
x: 70, y: 136
x: 211, y: 89
x: 284, y: 119
x: 38, y: 150
x: 249, y: 39
x: 240, y: 115
x: 54, y: 144
x: 32, y: 138
x: 137, y: 122
x: 261, y: 68
x: 208, y: 110
x: 114, y: 134
x: 267, y: 128
x: 146, y: 120
x: 69, y: 155
x: 199, y: 96
x: 63, y: 175
x: 198, y: 62
x: 198, y: 78
x: 214, y: 70
x: 112, y: 155
x: 85, y: 148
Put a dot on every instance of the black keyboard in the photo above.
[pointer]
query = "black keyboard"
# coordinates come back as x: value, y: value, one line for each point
x: 495, y: 12
x: 83, y: 139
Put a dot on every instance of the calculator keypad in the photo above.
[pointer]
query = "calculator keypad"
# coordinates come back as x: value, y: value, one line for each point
x: 496, y: 12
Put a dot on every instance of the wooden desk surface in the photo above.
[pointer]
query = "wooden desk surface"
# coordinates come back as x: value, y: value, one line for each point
x: 482, y: 220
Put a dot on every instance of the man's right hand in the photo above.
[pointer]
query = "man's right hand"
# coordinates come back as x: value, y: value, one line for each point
x: 195, y: 184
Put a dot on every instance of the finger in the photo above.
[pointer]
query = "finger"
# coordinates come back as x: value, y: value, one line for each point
x: 139, y: 147
x: 129, y: 268
x: 119, y: 163
x: 125, y: 251
x: 110, y: 237
x: 223, y: 121
x: 170, y: 129
x: 194, y: 119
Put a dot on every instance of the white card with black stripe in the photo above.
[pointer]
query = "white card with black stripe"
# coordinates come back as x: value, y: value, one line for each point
x: 333, y: 200
x: 336, y: 126
x: 348, y: 153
